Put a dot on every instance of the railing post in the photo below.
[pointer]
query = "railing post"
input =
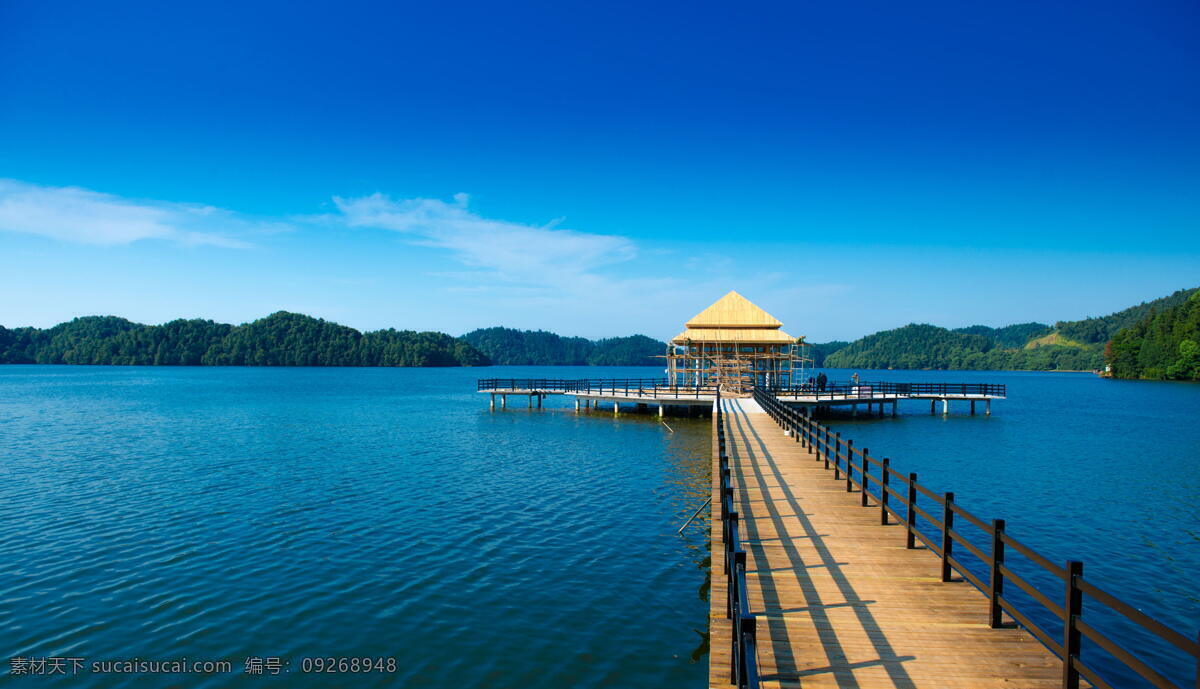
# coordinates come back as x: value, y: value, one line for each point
x: 746, y: 631
x: 883, y: 492
x: 732, y: 567
x: 912, y: 511
x: 862, y: 476
x: 825, y: 446
x: 849, y: 465
x: 837, y: 451
x: 1072, y: 609
x: 997, y: 579
x: 947, y: 540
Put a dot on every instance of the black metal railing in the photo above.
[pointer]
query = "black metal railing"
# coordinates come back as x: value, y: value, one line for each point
x: 743, y: 671
x: 663, y: 387
x: 643, y: 387
x: 888, y: 389
x: 894, y: 490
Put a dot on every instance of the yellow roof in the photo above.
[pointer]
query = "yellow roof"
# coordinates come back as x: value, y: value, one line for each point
x: 746, y: 335
x: 733, y: 311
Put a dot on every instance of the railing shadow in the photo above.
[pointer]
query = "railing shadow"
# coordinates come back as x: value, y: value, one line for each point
x: 786, y: 668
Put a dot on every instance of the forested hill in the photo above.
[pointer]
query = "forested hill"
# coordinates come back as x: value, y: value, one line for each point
x: 1008, y: 336
x: 281, y: 339
x: 1156, y: 339
x: 509, y: 347
x: 1161, y: 345
x: 930, y: 347
x: 818, y: 352
x: 1098, y: 331
x: 1068, y: 345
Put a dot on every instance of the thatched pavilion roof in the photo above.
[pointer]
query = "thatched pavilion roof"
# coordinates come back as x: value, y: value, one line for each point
x: 734, y: 318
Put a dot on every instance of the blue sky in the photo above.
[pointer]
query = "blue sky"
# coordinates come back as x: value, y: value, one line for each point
x: 597, y: 169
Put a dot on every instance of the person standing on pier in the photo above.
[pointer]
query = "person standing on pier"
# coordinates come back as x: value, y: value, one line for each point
x: 821, y: 381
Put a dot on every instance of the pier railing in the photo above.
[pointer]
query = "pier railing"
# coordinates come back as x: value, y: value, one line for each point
x: 894, y: 491
x: 663, y: 387
x: 888, y: 389
x: 643, y: 387
x: 743, y: 671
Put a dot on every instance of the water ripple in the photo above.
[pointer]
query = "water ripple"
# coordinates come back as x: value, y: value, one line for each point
x: 226, y: 513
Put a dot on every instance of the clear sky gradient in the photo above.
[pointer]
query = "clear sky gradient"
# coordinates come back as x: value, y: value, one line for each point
x: 597, y: 169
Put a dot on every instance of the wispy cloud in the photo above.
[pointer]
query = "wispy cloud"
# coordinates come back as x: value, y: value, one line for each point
x: 506, y: 272
x: 73, y: 214
x: 512, y: 251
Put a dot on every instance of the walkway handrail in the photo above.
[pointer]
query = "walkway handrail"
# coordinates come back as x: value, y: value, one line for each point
x: 663, y: 387
x: 642, y: 387
x: 890, y: 389
x: 743, y: 671
x: 845, y: 459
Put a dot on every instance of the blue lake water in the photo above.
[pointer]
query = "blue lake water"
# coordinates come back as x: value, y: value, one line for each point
x: 162, y: 513
x: 221, y: 514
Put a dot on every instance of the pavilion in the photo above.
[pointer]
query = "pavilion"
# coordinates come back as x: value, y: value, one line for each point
x: 736, y: 345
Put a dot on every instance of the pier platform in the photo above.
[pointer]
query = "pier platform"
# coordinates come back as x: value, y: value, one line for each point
x: 874, y: 397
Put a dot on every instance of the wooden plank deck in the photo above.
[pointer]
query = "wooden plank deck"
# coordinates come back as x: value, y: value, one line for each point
x: 840, y: 601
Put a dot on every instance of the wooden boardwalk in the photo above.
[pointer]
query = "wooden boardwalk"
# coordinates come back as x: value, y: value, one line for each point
x: 840, y: 601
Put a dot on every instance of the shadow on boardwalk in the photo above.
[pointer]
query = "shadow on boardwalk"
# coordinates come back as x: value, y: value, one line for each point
x: 787, y: 671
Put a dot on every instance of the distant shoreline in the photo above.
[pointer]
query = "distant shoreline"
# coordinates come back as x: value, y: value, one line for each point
x: 816, y: 368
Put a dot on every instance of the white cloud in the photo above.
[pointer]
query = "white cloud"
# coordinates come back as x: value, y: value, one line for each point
x: 72, y: 214
x: 508, y: 250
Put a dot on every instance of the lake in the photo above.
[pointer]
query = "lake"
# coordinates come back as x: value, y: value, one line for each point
x: 292, y: 514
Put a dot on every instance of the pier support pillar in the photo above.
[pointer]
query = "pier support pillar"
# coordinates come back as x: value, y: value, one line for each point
x: 576, y: 404
x: 894, y: 407
x: 504, y: 401
x: 854, y: 410
x: 972, y: 407
x: 931, y: 403
x: 661, y: 411
x: 616, y: 408
x: 492, y: 404
x: 540, y: 401
x: 945, y: 406
x: 988, y: 408
x: 531, y: 401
